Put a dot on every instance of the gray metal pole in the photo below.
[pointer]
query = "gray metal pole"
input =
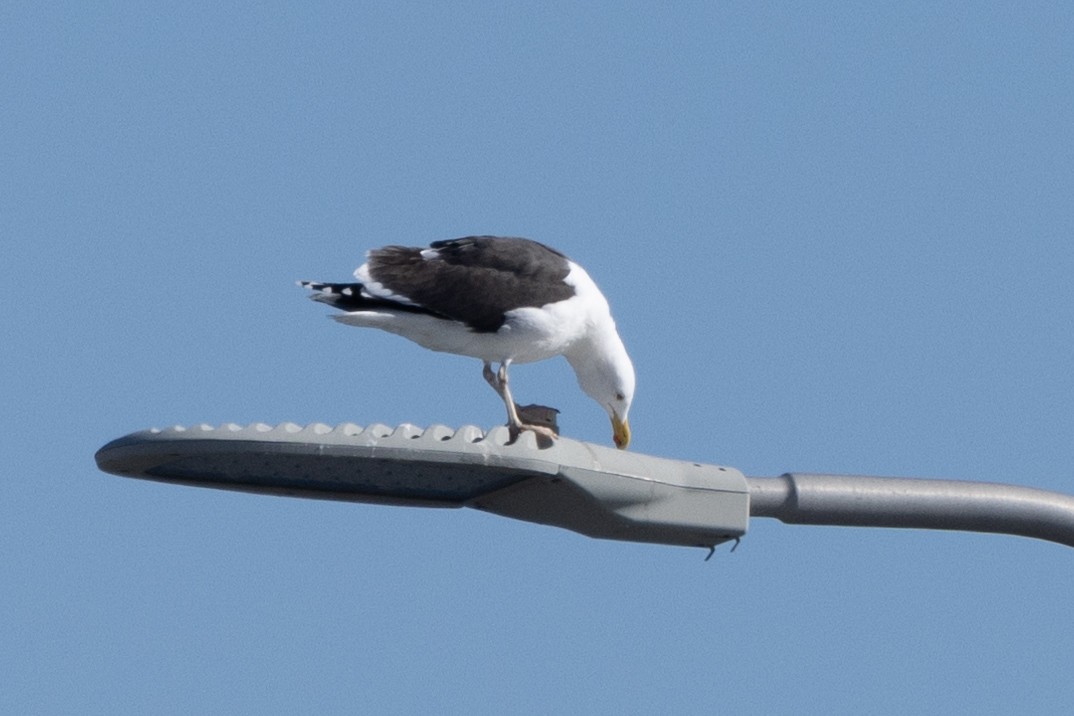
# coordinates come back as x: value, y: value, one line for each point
x: 859, y: 501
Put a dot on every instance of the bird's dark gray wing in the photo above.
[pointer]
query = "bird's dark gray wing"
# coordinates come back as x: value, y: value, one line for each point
x: 475, y: 279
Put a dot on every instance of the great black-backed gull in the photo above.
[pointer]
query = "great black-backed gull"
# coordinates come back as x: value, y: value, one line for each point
x: 501, y: 300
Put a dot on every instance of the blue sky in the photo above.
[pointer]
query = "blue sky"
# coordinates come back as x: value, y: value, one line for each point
x: 836, y: 238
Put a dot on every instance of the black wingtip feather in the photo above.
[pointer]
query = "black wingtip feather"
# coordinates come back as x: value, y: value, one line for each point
x: 350, y: 297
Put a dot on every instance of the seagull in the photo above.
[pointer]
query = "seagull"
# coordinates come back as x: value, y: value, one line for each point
x: 501, y: 300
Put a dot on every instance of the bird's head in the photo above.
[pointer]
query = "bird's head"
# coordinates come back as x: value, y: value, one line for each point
x: 600, y: 359
x: 609, y: 380
x: 618, y: 405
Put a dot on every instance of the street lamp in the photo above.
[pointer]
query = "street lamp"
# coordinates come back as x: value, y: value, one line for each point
x: 591, y: 489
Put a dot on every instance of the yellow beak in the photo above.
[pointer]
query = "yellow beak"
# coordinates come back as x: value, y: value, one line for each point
x: 620, y: 432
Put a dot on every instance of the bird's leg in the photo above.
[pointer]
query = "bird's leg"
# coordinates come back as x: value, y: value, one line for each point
x: 499, y: 384
x: 491, y: 378
x: 505, y: 392
x: 498, y: 381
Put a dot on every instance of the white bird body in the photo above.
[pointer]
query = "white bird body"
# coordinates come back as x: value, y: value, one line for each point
x: 500, y: 300
x: 528, y: 334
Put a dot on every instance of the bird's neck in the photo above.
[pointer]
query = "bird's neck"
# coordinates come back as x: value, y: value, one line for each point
x: 597, y: 358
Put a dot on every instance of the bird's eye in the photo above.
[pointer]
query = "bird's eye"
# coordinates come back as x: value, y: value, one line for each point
x: 619, y: 396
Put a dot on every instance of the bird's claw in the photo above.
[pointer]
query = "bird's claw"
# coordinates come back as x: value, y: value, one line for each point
x: 545, y: 435
x: 539, y: 420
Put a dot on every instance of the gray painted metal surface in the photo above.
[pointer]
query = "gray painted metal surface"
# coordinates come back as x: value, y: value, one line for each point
x: 861, y: 501
x: 591, y: 489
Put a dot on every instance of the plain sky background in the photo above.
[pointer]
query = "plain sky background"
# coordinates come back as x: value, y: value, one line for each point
x: 836, y: 237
